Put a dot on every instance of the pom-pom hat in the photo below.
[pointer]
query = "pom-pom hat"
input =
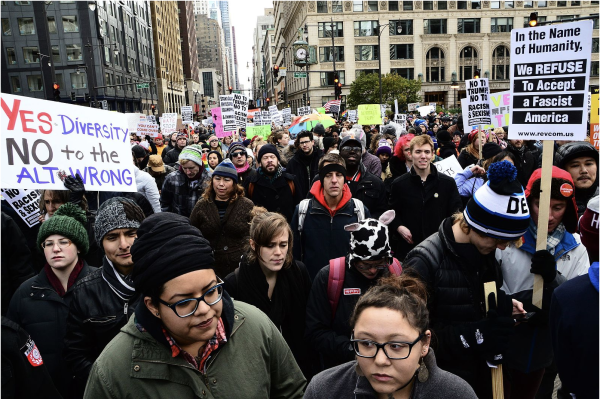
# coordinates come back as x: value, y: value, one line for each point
x: 499, y: 209
x: 68, y: 221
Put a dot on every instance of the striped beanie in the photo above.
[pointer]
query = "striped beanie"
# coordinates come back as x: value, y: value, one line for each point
x: 234, y: 147
x: 499, y: 208
x: 192, y: 153
x: 226, y: 169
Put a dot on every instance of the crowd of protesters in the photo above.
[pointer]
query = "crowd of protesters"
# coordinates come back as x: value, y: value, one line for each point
x: 336, y: 262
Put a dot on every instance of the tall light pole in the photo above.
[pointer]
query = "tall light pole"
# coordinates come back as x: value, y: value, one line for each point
x: 398, y: 30
x: 42, y: 56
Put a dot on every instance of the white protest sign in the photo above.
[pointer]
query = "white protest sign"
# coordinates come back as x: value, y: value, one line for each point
x: 150, y: 119
x: 352, y: 115
x: 133, y: 119
x: 401, y: 119
x: 168, y: 123
x: 550, y: 73
x: 228, y: 113
x: 240, y: 106
x: 303, y: 111
x: 187, y: 114
x: 257, y: 119
x: 478, y: 102
x: 287, y: 116
x: 413, y: 106
x: 395, y: 106
x: 147, y: 129
x: 266, y: 118
x: 25, y: 203
x: 40, y: 138
x: 425, y: 110
x: 433, y: 105
x: 449, y: 166
x: 275, y: 115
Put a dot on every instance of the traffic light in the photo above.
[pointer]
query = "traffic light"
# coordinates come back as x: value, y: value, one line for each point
x: 335, y: 79
x: 338, y: 91
x: 533, y: 19
x: 276, y: 71
x: 303, y: 96
x: 308, y: 103
x: 86, y: 97
x: 73, y: 96
x: 56, y: 92
x: 268, y: 100
x: 153, y: 109
x: 230, y: 89
x: 477, y: 74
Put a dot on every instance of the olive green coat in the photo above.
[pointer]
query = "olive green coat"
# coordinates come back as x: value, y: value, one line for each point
x: 254, y: 363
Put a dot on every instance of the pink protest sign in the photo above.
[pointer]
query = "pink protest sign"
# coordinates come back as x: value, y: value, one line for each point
x: 218, y: 121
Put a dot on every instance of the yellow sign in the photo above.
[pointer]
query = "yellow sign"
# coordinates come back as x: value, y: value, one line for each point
x: 594, y: 122
x: 369, y: 114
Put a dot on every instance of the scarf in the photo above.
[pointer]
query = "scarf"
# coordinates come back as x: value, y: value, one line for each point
x: 521, y: 150
x: 271, y: 179
x: 55, y: 282
x: 122, y: 286
x: 554, y: 238
x: 243, y: 168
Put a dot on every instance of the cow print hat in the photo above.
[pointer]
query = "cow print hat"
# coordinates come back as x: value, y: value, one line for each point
x: 369, y: 239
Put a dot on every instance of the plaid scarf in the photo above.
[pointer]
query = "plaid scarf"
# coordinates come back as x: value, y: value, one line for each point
x: 271, y: 179
x: 554, y: 238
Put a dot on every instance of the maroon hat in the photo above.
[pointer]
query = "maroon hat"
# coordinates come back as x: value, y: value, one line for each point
x: 588, y: 229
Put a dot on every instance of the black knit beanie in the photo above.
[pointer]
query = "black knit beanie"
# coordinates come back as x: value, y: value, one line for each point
x: 167, y: 246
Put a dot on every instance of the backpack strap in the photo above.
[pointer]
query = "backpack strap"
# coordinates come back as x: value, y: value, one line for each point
x: 302, y: 209
x: 359, y: 209
x: 395, y: 267
x: 335, y: 282
x: 250, y: 190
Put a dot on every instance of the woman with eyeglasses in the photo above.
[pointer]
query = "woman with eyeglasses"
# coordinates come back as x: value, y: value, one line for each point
x: 214, y: 144
x: 41, y: 304
x: 391, y: 342
x: 188, y: 338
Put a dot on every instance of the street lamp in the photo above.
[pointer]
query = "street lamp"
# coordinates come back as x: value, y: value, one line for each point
x: 454, y: 85
x: 42, y: 56
x: 398, y: 30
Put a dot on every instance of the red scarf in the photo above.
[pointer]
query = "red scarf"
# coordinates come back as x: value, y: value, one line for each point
x: 55, y: 282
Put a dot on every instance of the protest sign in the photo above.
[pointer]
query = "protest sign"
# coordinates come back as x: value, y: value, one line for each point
x: 261, y: 131
x: 395, y: 107
x: 275, y: 115
x: 401, y: 119
x: 425, y: 110
x: 433, y: 105
x: 413, y: 106
x: 40, y: 138
x: 352, y: 115
x: 168, y: 123
x: 594, y: 126
x: 303, y: 111
x: 218, y: 122
x: 266, y: 118
x: 550, y: 73
x: 240, y: 107
x: 369, y: 114
x: 150, y: 119
x: 384, y: 108
x: 257, y: 118
x: 500, y: 109
x: 478, y: 102
x: 133, y: 119
x: 25, y: 203
x: 287, y: 116
x: 449, y: 166
x: 228, y: 113
x: 187, y: 114
x: 147, y: 129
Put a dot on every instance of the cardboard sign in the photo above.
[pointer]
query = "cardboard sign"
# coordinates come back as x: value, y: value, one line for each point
x: 133, y: 119
x: 187, y: 114
x: 25, y: 203
x: 40, y: 138
x: 369, y: 114
x: 401, y: 119
x: 413, y: 106
x: 147, y: 129
x: 168, y: 123
x: 261, y: 131
x: 287, y: 116
x: 594, y: 126
x: 240, y: 107
x: 478, y: 102
x: 275, y: 115
x: 218, y: 122
x: 257, y: 119
x: 352, y: 115
x: 449, y: 166
x: 303, y: 111
x: 550, y: 73
x: 228, y: 113
x: 266, y: 118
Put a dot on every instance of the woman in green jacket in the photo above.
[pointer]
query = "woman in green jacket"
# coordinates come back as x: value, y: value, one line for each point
x: 188, y: 338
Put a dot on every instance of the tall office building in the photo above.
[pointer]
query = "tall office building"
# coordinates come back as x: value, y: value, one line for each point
x: 263, y: 23
x: 189, y: 55
x: 235, y: 60
x: 210, y: 46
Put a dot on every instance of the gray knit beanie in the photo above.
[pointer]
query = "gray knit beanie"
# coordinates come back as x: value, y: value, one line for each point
x: 111, y: 216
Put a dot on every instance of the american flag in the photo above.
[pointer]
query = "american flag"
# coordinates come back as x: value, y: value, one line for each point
x: 333, y: 106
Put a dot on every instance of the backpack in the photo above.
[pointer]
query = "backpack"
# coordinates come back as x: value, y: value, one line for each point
x: 251, y: 188
x: 359, y: 210
x: 335, y: 282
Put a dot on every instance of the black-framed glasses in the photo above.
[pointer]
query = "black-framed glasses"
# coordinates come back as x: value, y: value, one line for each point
x: 187, y: 307
x: 394, y: 350
x: 238, y: 154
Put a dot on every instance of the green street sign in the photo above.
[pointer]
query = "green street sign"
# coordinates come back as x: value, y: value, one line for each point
x: 299, y: 74
x: 142, y: 85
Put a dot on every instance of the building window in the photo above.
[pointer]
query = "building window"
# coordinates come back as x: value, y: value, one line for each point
x: 565, y: 17
x: 336, y: 6
x: 79, y: 81
x: 406, y: 73
x: 327, y: 78
x: 31, y: 55
x: 594, y: 45
x: 542, y: 4
x: 509, y: 4
x: 495, y: 5
x: 528, y: 4
x: 326, y: 54
x: 322, y: 7
x: 325, y: 29
x: 575, y: 3
x: 366, y: 53
x: 15, y: 84
x: 372, y: 6
x: 357, y: 6
x: 34, y: 82
x: 59, y: 80
x: 401, y: 52
x: 468, y: 25
x: 402, y: 27
x: 207, y: 79
x: 595, y: 68
x: 502, y: 25
x: 56, y: 54
x: 435, y: 26
x: 462, y: 5
x: 561, y: 3
x: 52, y: 25
x: 501, y: 63
x: 26, y: 26
x: 360, y: 72
x: 475, y: 5
x: 6, y: 27
x: 434, y: 62
x: 393, y: 6
x: 74, y: 52
x: 11, y: 56
x: 70, y: 24
x: 526, y: 20
x: 468, y: 63
x: 407, y: 5
x: 365, y: 28
x: 427, y: 5
x: 22, y: 3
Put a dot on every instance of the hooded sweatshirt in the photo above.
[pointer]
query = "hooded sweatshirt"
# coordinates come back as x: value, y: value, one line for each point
x: 317, y: 191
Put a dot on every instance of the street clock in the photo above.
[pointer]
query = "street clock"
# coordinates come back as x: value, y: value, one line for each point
x: 300, y: 53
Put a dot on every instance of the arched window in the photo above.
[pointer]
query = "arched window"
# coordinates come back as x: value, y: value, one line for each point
x: 435, y: 65
x: 501, y: 63
x: 468, y: 63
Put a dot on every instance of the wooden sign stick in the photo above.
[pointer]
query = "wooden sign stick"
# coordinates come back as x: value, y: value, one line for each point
x: 497, y: 378
x: 542, y: 228
x: 480, y: 142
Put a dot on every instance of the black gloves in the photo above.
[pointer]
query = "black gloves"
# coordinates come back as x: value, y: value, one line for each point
x: 543, y: 263
x: 75, y: 186
x: 540, y: 318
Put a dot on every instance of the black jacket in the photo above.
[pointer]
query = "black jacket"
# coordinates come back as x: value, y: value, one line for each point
x: 421, y: 207
x: 38, y: 308
x: 526, y: 163
x: 20, y: 378
x: 465, y: 158
x: 276, y: 196
x: 304, y: 172
x: 15, y: 264
x: 172, y: 157
x: 331, y: 338
x: 454, y: 275
x: 247, y: 175
x: 96, y: 316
